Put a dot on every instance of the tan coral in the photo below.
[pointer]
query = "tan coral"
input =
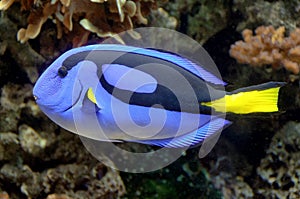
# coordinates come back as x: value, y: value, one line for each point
x: 79, y: 35
x: 139, y: 15
x: 65, y: 2
x: 5, y: 4
x: 4, y: 195
x: 104, y: 19
x: 89, y: 26
x: 120, y: 4
x: 269, y: 47
x: 294, y: 54
x: 130, y: 8
x: 36, y: 20
x: 278, y: 35
x: 291, y: 66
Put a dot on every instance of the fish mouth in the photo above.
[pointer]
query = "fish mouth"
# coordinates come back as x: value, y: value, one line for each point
x: 77, y: 98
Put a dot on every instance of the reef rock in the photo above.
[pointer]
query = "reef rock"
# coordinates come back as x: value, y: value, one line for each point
x: 279, y: 170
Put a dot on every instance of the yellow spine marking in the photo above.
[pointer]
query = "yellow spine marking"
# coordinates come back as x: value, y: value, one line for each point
x: 91, y: 96
x: 247, y: 102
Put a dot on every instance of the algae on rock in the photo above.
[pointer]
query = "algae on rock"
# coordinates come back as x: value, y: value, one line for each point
x: 200, y: 19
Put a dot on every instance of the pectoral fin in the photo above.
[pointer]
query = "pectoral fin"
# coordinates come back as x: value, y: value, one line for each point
x: 89, y: 103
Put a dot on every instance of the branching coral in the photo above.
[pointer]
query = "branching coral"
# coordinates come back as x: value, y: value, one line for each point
x: 269, y: 47
x: 5, y: 4
x: 103, y: 17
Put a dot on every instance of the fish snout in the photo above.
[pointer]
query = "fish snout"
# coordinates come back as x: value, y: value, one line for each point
x: 35, y: 94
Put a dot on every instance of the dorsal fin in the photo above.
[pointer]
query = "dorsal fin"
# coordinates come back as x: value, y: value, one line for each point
x: 164, y: 55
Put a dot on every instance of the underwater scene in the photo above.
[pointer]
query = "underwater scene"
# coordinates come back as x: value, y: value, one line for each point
x: 162, y: 99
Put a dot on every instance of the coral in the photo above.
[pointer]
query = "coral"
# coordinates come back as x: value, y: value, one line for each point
x: 269, y: 47
x: 105, y: 18
x: 279, y: 170
x: 5, y: 4
x: 4, y: 195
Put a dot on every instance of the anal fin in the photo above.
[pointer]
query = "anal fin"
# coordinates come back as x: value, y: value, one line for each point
x: 214, y: 126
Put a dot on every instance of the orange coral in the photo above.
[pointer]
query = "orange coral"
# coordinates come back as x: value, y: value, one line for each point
x: 4, y: 195
x: 269, y: 47
x: 5, y: 4
x: 103, y: 17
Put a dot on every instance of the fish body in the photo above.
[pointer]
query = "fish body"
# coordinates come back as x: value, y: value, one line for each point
x: 122, y: 93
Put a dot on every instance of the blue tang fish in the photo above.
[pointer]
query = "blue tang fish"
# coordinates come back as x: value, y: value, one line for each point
x: 121, y: 93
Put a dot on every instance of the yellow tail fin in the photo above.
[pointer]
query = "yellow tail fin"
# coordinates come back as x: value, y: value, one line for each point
x: 261, y: 98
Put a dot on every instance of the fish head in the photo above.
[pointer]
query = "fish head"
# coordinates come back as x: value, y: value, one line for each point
x: 61, y: 90
x: 53, y: 86
x: 58, y: 89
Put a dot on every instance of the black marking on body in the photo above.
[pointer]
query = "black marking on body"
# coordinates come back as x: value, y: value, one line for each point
x: 162, y: 95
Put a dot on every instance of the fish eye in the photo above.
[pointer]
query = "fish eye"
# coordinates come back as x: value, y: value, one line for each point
x: 62, y: 71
